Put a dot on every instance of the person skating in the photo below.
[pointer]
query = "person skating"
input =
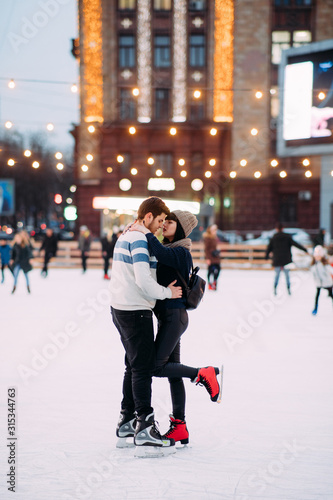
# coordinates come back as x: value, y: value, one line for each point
x: 212, y: 256
x: 321, y: 271
x: 84, y: 246
x: 108, y: 242
x: 173, y: 257
x: 20, y: 258
x: 5, y: 251
x: 49, y: 247
x: 134, y: 291
x: 280, y: 246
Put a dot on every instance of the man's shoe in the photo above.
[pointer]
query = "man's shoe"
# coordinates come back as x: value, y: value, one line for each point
x: 125, y: 430
x: 177, y: 431
x: 106, y: 277
x: 148, y: 440
x: 314, y: 312
x: 207, y: 377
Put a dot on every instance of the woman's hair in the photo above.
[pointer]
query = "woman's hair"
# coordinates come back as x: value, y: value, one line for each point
x: 179, y: 234
x: 209, y: 231
x: 25, y: 240
x: 154, y: 205
x: 323, y: 260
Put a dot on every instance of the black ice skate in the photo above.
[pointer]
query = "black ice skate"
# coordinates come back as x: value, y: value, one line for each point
x: 125, y: 430
x: 148, y: 440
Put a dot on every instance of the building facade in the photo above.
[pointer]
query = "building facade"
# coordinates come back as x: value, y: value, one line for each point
x: 179, y: 99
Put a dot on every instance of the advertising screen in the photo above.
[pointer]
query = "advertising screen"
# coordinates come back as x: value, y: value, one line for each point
x: 7, y: 197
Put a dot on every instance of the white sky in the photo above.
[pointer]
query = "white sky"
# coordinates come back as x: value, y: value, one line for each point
x: 35, y: 44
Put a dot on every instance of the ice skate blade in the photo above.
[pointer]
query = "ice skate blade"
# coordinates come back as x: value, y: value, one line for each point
x: 221, y: 385
x: 125, y: 443
x: 154, y: 451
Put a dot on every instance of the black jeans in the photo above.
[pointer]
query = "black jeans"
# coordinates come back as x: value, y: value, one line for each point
x: 106, y: 264
x: 84, y: 257
x: 172, y: 323
x: 137, y: 336
x: 213, y: 270
x: 47, y: 257
x: 330, y: 294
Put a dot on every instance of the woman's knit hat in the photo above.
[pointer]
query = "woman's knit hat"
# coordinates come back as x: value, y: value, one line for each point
x: 319, y: 251
x: 187, y: 220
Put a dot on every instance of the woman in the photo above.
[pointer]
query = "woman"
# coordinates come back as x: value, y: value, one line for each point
x: 20, y: 258
x: 212, y: 256
x: 174, y: 257
x: 322, y: 274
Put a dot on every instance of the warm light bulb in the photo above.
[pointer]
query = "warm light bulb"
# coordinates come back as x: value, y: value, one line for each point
x: 208, y: 174
x: 197, y: 94
x: 183, y: 173
x: 257, y: 174
x: 109, y: 170
x: 69, y: 201
x: 321, y: 96
x: 27, y: 153
x: 233, y: 174
x: 243, y: 163
x: 283, y: 174
x: 181, y: 162
x: 132, y: 130
x: 212, y: 162
x: 91, y: 129
x: 158, y: 172
x: 11, y: 162
x: 8, y: 124
x: 274, y: 163
x: 72, y: 188
x: 135, y: 92
x: 259, y: 94
x: 150, y: 161
x: 272, y: 91
x: 213, y: 131
x: 197, y: 184
x: 11, y: 84
x: 120, y: 158
x: 89, y: 157
x: 50, y: 127
x: 173, y: 131
x: 60, y: 166
x: 35, y: 164
x: 306, y: 162
x: 308, y: 174
x: 134, y: 171
x: 74, y: 88
x: 84, y: 168
x: 58, y: 155
x: 254, y: 131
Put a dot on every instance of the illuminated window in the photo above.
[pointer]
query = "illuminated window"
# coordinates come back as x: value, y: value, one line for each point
x: 196, y: 5
x: 161, y: 104
x: 126, y: 4
x: 197, y: 51
x: 163, y: 161
x: 127, y: 105
x: 162, y: 53
x: 162, y: 4
x: 126, y: 51
x: 282, y: 40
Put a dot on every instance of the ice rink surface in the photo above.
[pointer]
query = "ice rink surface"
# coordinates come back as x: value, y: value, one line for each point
x: 269, y: 439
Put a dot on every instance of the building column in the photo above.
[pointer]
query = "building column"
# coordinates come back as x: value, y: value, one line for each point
x: 179, y: 49
x: 144, y: 61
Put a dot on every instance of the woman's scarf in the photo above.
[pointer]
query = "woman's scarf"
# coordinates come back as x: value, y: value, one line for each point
x: 185, y: 242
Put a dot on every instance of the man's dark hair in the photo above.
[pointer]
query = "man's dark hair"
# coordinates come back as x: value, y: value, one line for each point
x: 154, y: 205
x: 279, y: 226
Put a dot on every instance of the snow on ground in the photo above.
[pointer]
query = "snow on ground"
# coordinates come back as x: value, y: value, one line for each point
x: 269, y: 439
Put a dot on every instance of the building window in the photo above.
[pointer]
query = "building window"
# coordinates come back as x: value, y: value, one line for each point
x: 162, y: 161
x: 196, y: 5
x: 126, y: 51
x: 196, y: 108
x: 162, y: 4
x: 197, y: 164
x: 288, y: 208
x: 162, y: 104
x: 127, y: 105
x: 126, y: 4
x: 197, y: 50
x: 289, y: 3
x: 282, y: 40
x: 162, y: 54
x: 125, y: 164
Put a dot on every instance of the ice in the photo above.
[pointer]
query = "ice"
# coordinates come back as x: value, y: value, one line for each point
x: 269, y: 439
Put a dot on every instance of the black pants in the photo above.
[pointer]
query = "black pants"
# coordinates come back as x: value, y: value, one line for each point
x: 330, y: 294
x: 2, y: 271
x: 106, y: 264
x: 47, y: 257
x: 84, y: 258
x: 213, y: 270
x: 172, y: 323
x: 137, y: 336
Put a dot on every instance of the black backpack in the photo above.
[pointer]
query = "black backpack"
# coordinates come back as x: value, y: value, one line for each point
x: 194, y: 291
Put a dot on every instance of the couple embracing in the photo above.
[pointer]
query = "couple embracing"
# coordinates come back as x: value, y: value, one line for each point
x: 145, y: 276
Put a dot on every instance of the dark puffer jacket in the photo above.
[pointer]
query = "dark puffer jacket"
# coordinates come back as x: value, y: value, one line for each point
x: 280, y: 245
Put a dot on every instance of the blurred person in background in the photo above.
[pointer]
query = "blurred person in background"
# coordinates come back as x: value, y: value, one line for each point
x: 108, y: 242
x: 49, y: 247
x: 212, y: 256
x: 322, y: 274
x: 84, y: 246
x: 20, y: 257
x: 5, y: 252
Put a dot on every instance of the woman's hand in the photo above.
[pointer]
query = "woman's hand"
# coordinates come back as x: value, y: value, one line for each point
x: 138, y: 226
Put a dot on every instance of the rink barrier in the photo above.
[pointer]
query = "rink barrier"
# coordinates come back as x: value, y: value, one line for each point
x: 235, y: 256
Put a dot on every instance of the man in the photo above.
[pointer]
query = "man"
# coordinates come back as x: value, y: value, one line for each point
x: 134, y: 291
x: 280, y: 246
x: 50, y: 247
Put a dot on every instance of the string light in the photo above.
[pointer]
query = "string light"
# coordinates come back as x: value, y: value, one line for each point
x: 84, y: 168
x: 74, y: 88
x: 10, y: 162
x: 283, y: 174
x: 58, y: 155
x: 27, y: 153
x: 208, y: 174
x: 272, y: 91
x: 144, y: 67
x: 72, y: 188
x: 306, y: 162
x: 173, y: 131
x: 308, y: 174
x: 254, y: 131
x: 257, y: 174
x: 181, y: 162
x: 243, y: 163
x: 60, y: 166
x: 12, y: 84
x: 125, y: 184
x: 197, y: 94
x: 50, y: 127
x: 8, y: 124
x: 89, y: 157
x: 179, y: 54
x: 183, y: 173
x: 91, y: 129
x: 212, y: 162
x: 69, y: 201
x: 213, y: 131
x: 132, y: 130
x: 35, y: 164
x: 321, y: 96
x: 109, y: 170
x: 233, y: 174
x: 151, y: 161
x: 259, y: 94
x: 134, y: 171
x: 159, y: 172
x: 274, y: 163
x: 136, y: 92
x: 120, y: 159
x: 197, y: 184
